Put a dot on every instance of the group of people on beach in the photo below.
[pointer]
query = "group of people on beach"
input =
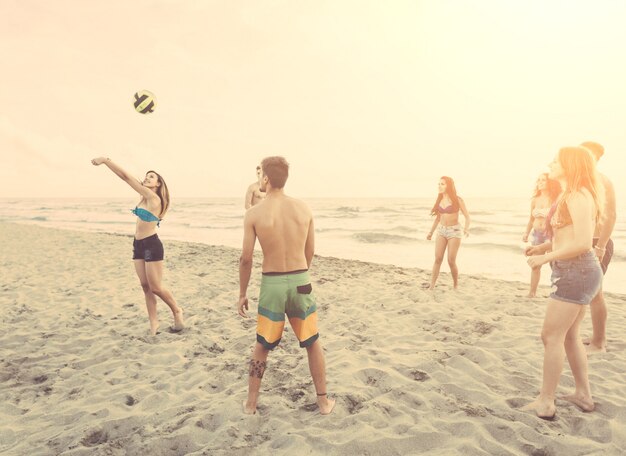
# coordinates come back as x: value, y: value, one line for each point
x: 547, y: 192
x: 572, y: 217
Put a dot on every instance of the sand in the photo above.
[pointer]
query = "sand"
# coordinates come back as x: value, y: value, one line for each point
x: 414, y: 372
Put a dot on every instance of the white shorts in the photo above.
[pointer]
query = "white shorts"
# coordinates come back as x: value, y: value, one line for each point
x: 450, y: 232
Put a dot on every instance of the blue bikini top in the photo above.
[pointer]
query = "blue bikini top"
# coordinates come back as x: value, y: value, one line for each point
x: 146, y: 215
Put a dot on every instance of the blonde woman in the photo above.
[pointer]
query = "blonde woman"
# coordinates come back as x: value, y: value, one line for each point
x: 147, y: 247
x: 576, y: 277
x: 546, y: 192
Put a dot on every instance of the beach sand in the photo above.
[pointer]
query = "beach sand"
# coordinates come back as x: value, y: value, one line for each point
x: 413, y: 372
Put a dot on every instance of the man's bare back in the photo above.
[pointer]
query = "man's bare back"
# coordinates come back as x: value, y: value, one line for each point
x: 284, y: 227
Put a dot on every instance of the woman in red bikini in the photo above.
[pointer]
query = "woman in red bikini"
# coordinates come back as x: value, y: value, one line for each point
x: 449, y: 230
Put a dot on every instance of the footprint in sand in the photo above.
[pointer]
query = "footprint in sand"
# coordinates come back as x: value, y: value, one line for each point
x: 419, y: 376
x: 94, y: 438
x: 353, y: 404
x: 40, y: 379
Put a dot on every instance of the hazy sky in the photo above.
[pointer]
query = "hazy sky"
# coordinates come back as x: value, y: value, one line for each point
x: 363, y: 98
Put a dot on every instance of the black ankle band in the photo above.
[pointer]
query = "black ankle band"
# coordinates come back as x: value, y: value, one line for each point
x: 321, y: 394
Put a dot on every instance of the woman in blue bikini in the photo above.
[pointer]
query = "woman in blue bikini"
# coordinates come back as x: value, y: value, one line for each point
x: 449, y: 230
x: 147, y: 247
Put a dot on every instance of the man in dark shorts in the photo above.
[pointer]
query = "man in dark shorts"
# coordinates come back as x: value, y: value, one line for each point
x: 603, y: 246
x: 284, y: 226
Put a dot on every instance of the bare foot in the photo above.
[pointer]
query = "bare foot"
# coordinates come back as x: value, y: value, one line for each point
x: 154, y: 326
x: 179, y: 323
x: 582, y: 402
x: 248, y: 410
x: 592, y: 348
x: 531, y: 295
x: 325, y: 405
x: 544, y: 410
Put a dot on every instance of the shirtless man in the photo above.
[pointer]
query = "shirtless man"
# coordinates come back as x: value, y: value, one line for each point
x: 254, y: 195
x: 284, y: 227
x: 603, y: 246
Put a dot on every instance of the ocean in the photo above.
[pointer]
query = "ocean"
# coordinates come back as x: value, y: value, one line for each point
x: 386, y: 230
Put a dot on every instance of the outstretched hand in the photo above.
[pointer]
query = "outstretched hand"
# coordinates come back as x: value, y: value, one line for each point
x: 243, y: 304
x: 98, y: 161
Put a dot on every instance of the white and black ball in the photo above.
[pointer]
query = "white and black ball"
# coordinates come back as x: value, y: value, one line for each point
x: 144, y: 102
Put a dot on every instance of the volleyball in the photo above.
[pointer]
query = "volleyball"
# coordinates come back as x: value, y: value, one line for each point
x: 144, y: 102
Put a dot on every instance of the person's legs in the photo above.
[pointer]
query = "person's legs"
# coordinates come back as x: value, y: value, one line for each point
x: 317, y: 366
x: 560, y: 316
x: 154, y: 273
x: 597, y: 341
x: 535, y: 276
x: 440, y: 248
x: 257, y: 369
x: 453, y: 249
x: 151, y: 302
x: 577, y: 358
x: 269, y: 330
x: 302, y: 312
x: 537, y: 238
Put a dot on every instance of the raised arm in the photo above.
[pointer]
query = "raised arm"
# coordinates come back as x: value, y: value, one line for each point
x: 125, y: 176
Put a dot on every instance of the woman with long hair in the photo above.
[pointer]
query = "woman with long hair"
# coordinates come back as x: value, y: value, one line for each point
x: 546, y: 192
x: 576, y: 276
x: 147, y: 247
x: 449, y: 231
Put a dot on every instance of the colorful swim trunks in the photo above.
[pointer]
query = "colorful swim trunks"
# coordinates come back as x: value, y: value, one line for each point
x: 286, y: 293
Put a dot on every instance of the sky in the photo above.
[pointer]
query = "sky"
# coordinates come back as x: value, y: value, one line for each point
x: 363, y: 98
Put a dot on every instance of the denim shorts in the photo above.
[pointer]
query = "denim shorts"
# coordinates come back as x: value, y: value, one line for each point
x: 538, y: 237
x: 148, y: 249
x: 576, y: 280
x: 449, y: 232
